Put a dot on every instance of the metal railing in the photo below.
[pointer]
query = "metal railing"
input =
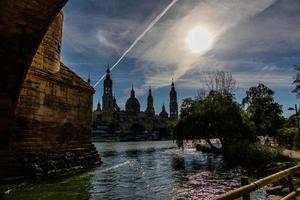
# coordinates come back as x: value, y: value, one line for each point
x: 245, y: 190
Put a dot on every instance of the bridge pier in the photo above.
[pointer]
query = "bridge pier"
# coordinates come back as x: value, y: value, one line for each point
x: 45, y: 108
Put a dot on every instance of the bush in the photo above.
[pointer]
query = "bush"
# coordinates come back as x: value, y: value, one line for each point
x: 288, y: 137
x: 252, y: 155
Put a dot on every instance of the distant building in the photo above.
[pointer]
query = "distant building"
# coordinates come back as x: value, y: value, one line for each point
x: 150, y: 109
x: 132, y: 104
x: 107, y: 98
x: 173, y: 103
x: 128, y: 119
x: 163, y: 114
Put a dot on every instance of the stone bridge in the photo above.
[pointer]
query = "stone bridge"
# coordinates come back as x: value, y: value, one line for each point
x: 44, y: 123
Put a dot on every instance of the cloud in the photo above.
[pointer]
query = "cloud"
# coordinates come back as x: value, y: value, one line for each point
x: 164, y: 50
x: 270, y: 80
x: 98, y: 35
x: 246, y: 72
x: 104, y: 41
x: 244, y: 81
x: 274, y: 31
x: 257, y: 40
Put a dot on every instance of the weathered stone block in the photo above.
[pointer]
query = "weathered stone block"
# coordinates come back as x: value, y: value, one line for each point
x: 53, y: 115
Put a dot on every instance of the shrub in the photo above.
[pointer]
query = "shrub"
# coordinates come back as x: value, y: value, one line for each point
x: 252, y: 155
x: 288, y: 137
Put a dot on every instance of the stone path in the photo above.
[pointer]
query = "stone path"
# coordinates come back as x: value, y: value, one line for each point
x: 291, y: 153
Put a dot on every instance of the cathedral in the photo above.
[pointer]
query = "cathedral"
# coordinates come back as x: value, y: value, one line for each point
x: 124, y: 120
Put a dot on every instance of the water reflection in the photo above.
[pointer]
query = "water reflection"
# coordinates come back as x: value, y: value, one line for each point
x: 142, y: 170
x: 73, y: 188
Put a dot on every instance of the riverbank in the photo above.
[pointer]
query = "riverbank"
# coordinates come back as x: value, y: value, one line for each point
x: 128, y: 139
x: 256, y: 157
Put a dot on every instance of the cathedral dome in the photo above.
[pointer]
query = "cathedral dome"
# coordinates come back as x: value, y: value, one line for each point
x: 163, y: 113
x: 132, y: 104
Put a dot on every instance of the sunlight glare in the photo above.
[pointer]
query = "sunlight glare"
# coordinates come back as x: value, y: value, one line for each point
x: 199, y: 39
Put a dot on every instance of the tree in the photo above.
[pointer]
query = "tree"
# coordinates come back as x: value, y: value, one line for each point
x: 201, y: 93
x: 291, y: 121
x: 289, y: 135
x: 264, y: 112
x: 260, y: 91
x: 216, y: 116
x: 219, y: 81
x: 186, y: 108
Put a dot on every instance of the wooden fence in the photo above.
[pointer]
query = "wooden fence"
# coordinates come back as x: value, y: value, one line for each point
x: 245, y: 190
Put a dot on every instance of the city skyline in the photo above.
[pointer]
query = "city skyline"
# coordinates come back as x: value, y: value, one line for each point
x: 166, y: 103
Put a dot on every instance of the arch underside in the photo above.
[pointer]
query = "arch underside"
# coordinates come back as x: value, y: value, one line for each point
x: 23, y: 25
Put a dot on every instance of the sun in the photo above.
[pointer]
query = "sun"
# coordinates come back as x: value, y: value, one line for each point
x: 199, y: 39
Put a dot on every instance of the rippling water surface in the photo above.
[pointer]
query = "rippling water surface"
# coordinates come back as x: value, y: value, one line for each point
x: 143, y: 170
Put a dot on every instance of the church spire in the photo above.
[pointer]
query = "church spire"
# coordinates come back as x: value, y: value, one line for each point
x: 107, y: 72
x: 108, y: 69
x: 173, y: 106
x: 132, y: 93
x: 89, y: 79
x: 163, y: 113
x: 107, y: 98
x: 150, y: 108
x: 98, y: 106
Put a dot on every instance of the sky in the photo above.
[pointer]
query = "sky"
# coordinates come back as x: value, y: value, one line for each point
x: 258, y: 41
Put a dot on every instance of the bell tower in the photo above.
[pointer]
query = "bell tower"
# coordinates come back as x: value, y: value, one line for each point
x: 150, y: 109
x: 107, y: 98
x: 173, y: 103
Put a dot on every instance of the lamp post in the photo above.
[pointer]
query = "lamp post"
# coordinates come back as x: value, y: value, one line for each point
x: 297, y: 118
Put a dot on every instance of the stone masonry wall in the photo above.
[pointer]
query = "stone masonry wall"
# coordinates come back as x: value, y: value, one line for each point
x: 23, y: 23
x: 53, y: 136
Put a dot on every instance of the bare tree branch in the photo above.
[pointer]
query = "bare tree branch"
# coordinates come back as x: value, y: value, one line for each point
x: 219, y: 81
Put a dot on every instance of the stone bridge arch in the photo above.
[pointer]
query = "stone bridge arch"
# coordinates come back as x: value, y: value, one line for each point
x: 45, y: 114
x: 23, y: 24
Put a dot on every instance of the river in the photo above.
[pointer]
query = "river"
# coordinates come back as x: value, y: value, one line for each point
x: 142, y: 170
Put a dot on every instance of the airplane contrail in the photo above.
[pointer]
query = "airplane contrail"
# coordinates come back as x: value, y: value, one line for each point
x: 139, y: 38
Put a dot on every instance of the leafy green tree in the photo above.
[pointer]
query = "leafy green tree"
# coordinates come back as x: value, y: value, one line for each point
x: 263, y: 110
x: 291, y: 121
x: 216, y: 116
x: 187, y: 108
x: 260, y: 91
x: 288, y: 135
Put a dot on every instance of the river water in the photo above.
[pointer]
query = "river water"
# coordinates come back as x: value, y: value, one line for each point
x: 142, y: 170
